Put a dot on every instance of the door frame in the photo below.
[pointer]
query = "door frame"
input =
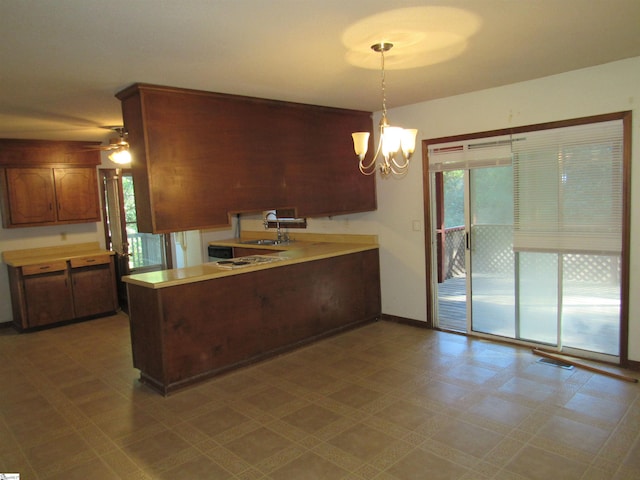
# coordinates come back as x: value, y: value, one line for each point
x: 121, y: 258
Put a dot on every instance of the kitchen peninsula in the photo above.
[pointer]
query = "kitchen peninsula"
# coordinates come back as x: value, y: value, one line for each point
x: 192, y: 323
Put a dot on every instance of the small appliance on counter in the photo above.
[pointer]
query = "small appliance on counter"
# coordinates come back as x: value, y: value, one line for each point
x: 247, y: 261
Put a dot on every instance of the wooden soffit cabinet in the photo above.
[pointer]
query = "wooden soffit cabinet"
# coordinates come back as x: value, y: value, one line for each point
x: 199, y: 157
x: 37, y: 153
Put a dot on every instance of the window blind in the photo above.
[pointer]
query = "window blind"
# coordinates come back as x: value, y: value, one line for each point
x: 568, y: 189
x: 465, y: 154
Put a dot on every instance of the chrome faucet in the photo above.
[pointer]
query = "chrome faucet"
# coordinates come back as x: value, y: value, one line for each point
x: 280, y: 237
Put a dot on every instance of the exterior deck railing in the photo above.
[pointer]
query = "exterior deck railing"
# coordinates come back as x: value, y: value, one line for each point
x: 455, y: 252
x: 145, y: 250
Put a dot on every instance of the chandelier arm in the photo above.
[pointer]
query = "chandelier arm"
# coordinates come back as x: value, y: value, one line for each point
x: 369, y: 167
x: 403, y: 165
x: 398, y: 173
x: 374, y: 159
x: 368, y: 170
x: 398, y: 170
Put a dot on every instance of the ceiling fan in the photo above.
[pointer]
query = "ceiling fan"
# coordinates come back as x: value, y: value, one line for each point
x: 118, y: 146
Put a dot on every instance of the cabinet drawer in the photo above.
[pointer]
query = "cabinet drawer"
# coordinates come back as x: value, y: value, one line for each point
x: 44, y: 268
x: 89, y: 261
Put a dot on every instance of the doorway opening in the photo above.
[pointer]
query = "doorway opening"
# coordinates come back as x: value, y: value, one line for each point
x: 136, y: 252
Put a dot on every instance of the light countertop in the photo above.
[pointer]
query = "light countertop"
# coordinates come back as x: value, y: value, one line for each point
x: 34, y: 256
x: 304, y: 248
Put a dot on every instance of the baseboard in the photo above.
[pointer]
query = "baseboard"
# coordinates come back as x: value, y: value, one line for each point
x: 633, y: 365
x: 5, y: 324
x: 404, y: 321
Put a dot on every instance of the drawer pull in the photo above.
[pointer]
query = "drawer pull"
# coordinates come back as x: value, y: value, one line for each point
x: 46, y: 267
x: 90, y: 260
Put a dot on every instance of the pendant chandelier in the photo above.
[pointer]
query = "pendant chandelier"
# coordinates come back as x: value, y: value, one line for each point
x: 395, y: 144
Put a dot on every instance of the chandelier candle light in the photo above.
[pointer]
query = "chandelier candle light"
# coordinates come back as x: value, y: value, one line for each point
x: 395, y: 144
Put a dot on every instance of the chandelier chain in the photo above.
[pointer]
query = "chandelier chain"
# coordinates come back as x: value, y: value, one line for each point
x: 384, y: 93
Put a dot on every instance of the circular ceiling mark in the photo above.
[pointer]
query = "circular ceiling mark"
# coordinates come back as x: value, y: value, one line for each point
x: 420, y: 36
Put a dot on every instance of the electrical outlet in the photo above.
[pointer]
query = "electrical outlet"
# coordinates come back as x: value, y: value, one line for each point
x: 417, y: 226
x: 63, y: 236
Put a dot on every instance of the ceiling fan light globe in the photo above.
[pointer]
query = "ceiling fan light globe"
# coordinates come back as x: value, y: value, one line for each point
x: 121, y: 156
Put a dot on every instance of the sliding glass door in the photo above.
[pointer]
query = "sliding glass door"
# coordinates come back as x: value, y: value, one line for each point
x: 492, y: 270
x: 541, y: 221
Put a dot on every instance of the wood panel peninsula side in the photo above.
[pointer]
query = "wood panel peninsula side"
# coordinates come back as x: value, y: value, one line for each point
x: 193, y: 323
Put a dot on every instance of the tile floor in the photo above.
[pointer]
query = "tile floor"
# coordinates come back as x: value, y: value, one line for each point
x: 384, y: 402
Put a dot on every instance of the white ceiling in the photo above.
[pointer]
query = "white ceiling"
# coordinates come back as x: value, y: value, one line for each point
x: 61, y: 62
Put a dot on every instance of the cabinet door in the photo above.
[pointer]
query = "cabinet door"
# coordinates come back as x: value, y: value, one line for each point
x: 47, y: 296
x: 30, y: 196
x: 77, y: 194
x: 94, y: 288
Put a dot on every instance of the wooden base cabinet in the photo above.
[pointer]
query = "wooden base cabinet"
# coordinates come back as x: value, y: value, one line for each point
x: 47, y: 291
x: 60, y: 291
x: 186, y: 333
x: 93, y: 281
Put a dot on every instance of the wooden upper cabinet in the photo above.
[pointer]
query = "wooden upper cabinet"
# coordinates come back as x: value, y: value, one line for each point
x: 31, y: 196
x: 77, y: 194
x: 48, y: 183
x: 49, y: 196
x: 199, y: 157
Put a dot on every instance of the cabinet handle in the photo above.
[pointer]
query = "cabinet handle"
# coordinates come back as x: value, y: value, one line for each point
x: 50, y: 206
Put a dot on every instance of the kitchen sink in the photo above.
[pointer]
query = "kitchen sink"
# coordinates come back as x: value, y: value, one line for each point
x: 262, y: 241
x: 265, y: 241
